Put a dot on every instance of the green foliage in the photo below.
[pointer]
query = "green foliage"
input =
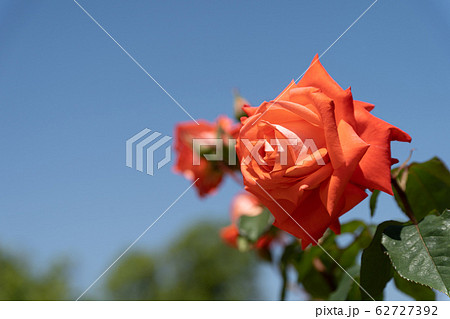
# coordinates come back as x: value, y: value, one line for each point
x: 292, y: 255
x: 18, y: 282
x: 421, y: 253
x: 198, y: 266
x: 373, y: 201
x: 413, y: 289
x: 376, y: 269
x: 426, y: 185
x: 319, y: 282
x: 134, y: 279
x: 362, y: 237
x: 346, y: 284
x: 252, y: 227
x: 318, y: 270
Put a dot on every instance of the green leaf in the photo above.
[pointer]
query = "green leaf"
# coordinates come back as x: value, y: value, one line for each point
x: 418, y: 292
x: 427, y: 187
x: 284, y: 283
x: 350, y: 253
x: 305, y: 264
x: 421, y: 253
x: 319, y: 274
x: 345, y: 284
x: 373, y: 201
x: 292, y: 255
x: 376, y: 269
x: 352, y: 226
x: 319, y: 284
x: 252, y: 227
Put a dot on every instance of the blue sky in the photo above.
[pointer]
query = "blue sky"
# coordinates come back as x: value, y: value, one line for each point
x: 70, y: 98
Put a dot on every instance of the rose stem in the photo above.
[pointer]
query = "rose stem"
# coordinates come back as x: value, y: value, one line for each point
x: 402, y: 195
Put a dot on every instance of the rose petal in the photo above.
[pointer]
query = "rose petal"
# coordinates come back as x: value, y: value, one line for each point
x: 249, y: 110
x: 301, y: 222
x: 313, y: 180
x: 308, y: 166
x: 369, y: 107
x: 284, y: 95
x: 302, y: 111
x: 325, y: 107
x: 316, y: 76
x: 374, y: 169
x: 354, y: 149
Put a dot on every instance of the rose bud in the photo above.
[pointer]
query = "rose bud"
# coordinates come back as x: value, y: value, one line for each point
x: 190, y: 158
x: 239, y: 103
x: 244, y: 204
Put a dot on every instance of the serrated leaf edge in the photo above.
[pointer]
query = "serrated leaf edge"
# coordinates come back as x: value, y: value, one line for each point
x: 410, y: 280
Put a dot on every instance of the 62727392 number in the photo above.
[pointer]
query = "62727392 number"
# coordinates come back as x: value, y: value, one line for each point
x: 406, y: 310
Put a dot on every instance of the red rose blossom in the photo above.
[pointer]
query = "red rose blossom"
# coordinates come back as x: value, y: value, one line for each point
x: 306, y: 195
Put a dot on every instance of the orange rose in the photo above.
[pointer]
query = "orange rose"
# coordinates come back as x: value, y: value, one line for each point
x: 191, y: 164
x: 244, y: 204
x: 333, y: 150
